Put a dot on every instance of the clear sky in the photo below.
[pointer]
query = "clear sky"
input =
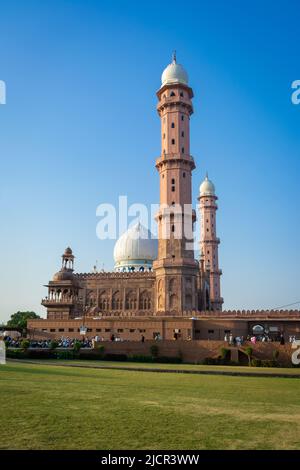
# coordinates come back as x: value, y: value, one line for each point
x: 80, y: 128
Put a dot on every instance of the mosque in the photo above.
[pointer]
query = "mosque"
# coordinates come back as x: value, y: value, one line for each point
x: 157, y: 286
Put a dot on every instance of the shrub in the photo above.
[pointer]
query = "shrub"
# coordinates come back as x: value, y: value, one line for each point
x: 275, y: 354
x: 256, y: 362
x: 115, y: 357
x: 154, y: 350
x: 168, y: 360
x: 53, y: 344
x: 249, y: 352
x: 76, y: 346
x: 210, y: 361
x: 25, y: 343
x: 140, y: 358
x: 224, y: 353
x: 269, y: 363
x: 41, y: 354
x: 100, y: 349
x: 16, y: 353
x: 64, y: 355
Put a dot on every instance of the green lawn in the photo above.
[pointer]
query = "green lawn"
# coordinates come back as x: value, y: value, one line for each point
x: 192, y: 367
x: 54, y: 407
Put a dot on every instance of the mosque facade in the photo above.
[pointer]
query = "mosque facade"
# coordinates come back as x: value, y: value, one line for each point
x: 158, y: 286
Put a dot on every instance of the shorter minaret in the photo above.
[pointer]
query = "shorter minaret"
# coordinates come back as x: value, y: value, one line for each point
x: 62, y: 302
x: 68, y: 260
x: 209, y: 241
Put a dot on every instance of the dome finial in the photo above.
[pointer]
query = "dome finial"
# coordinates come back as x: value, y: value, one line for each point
x: 207, y: 187
x: 174, y: 73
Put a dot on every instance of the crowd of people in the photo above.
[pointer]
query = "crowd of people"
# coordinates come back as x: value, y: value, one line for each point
x: 67, y: 342
x: 239, y: 340
x: 47, y: 343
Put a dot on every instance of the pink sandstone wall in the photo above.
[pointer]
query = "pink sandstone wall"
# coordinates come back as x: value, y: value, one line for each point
x: 197, y: 351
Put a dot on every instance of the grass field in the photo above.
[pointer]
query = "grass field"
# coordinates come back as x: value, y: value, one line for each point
x: 295, y: 371
x: 55, y: 407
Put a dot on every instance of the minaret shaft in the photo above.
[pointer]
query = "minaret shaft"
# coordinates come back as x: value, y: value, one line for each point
x: 209, y: 243
x: 176, y: 269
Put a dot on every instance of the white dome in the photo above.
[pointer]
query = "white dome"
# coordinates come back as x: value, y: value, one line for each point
x: 174, y: 73
x: 135, y: 249
x: 207, y: 188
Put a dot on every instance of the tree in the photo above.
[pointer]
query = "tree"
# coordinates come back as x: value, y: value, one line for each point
x: 53, y: 344
x: 249, y: 352
x: 19, y: 319
x: 76, y: 346
x: 25, y: 343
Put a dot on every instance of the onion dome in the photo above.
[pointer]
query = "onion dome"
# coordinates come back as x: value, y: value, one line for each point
x: 174, y: 73
x: 135, y: 250
x: 66, y: 272
x: 63, y: 275
x: 207, y: 188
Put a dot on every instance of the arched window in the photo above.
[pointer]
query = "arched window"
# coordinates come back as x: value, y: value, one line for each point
x: 103, y: 301
x: 145, y: 300
x: 258, y: 329
x: 207, y: 298
x: 188, y: 302
x: 116, y: 301
x: 131, y: 300
x: 173, y: 301
x: 172, y: 285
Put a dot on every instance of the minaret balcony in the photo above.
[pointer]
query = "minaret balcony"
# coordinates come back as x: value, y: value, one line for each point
x: 172, y: 157
x: 174, y: 102
x: 215, y: 241
x: 46, y: 302
x: 216, y: 271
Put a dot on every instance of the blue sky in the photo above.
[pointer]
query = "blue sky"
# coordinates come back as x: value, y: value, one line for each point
x: 80, y: 128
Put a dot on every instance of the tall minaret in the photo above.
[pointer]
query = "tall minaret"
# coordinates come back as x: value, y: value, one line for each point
x: 175, y: 267
x: 209, y: 241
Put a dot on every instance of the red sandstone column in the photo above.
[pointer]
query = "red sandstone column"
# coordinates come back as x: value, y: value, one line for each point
x: 175, y: 267
x: 209, y: 241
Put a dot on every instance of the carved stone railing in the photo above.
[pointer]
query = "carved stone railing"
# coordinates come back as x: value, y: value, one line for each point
x: 59, y: 301
x: 267, y: 314
x: 116, y: 275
